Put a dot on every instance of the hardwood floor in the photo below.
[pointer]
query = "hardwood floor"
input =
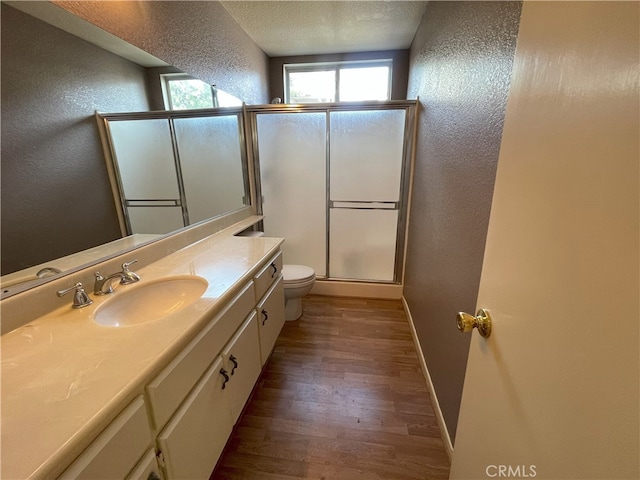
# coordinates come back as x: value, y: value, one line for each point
x: 341, y: 398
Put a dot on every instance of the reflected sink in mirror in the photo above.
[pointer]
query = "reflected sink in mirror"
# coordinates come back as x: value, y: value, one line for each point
x: 151, y: 301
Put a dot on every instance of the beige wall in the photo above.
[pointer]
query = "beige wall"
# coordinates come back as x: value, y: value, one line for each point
x: 460, y: 67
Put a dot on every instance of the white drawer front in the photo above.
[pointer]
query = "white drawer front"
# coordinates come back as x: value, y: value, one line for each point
x: 167, y: 391
x: 267, y: 275
x: 117, y: 449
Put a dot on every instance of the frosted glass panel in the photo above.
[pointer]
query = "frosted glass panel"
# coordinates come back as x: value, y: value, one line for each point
x: 366, y: 155
x: 155, y: 219
x: 293, y: 177
x: 363, y: 244
x: 144, y: 155
x: 211, y: 163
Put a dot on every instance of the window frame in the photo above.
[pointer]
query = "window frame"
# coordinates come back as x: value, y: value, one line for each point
x: 167, y: 78
x: 289, y: 68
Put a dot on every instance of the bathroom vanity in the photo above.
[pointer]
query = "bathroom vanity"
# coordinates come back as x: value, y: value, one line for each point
x: 156, y: 399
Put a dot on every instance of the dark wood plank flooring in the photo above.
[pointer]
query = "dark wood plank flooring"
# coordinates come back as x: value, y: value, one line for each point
x: 342, y: 397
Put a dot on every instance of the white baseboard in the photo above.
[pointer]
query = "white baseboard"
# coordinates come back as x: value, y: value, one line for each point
x: 334, y: 288
x: 434, y: 398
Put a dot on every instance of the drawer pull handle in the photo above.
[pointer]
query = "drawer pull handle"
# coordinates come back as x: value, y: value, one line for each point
x: 233, y: 360
x: 265, y: 314
x: 275, y: 270
x: 223, y: 372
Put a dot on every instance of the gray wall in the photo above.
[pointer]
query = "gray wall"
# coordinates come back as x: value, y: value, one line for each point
x: 460, y: 66
x: 398, y: 82
x: 56, y: 197
x: 198, y: 37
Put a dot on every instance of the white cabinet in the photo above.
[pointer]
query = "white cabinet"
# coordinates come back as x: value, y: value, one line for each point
x: 117, y: 450
x: 167, y: 391
x: 270, y: 318
x: 194, y: 438
x: 242, y: 364
x: 195, y: 401
x: 147, y: 468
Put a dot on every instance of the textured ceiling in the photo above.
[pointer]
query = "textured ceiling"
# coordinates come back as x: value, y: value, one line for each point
x: 313, y: 27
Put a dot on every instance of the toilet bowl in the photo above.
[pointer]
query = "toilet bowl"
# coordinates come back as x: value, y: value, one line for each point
x: 298, y: 281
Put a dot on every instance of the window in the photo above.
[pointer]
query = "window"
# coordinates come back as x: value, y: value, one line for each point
x: 182, y: 92
x: 338, y: 82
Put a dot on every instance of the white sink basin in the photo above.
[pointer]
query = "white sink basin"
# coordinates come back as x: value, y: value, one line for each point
x: 136, y: 304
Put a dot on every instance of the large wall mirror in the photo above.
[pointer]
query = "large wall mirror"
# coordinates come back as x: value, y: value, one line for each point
x: 57, y: 198
x: 175, y: 169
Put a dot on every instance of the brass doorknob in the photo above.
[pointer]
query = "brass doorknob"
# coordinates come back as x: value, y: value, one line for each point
x: 482, y: 321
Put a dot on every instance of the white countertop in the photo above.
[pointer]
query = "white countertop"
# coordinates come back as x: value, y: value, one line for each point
x: 64, y: 377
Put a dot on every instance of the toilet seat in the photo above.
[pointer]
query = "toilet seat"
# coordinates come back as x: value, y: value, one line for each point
x: 295, y: 274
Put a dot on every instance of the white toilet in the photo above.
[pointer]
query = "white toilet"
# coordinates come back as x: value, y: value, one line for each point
x: 298, y: 281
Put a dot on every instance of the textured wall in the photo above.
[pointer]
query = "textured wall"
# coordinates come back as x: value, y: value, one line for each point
x: 460, y: 66
x: 398, y: 82
x: 198, y: 37
x: 56, y: 197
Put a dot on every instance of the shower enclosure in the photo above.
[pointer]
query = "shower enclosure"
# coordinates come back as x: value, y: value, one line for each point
x: 332, y: 179
x: 334, y: 182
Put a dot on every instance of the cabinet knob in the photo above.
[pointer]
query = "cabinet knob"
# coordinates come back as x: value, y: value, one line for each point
x: 223, y: 372
x: 265, y: 316
x: 233, y: 360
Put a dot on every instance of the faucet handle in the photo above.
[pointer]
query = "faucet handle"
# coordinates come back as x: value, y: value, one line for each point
x: 80, y: 297
x: 128, y: 276
x: 126, y: 265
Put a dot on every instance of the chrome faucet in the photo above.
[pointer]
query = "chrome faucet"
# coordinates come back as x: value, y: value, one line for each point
x: 125, y: 276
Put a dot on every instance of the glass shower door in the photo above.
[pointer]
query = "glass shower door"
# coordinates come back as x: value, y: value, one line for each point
x: 366, y: 164
x: 292, y: 159
x: 148, y: 175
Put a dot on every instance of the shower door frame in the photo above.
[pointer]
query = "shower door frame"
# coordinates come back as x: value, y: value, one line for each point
x: 123, y: 204
x: 409, y: 106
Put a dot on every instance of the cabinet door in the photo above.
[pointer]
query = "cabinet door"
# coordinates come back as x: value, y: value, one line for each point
x: 270, y: 318
x: 242, y: 361
x: 147, y: 468
x: 117, y: 449
x: 167, y: 391
x: 194, y: 438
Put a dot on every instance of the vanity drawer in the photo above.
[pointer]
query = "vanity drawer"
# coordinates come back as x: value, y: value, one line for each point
x: 268, y: 275
x: 117, y: 449
x: 167, y: 391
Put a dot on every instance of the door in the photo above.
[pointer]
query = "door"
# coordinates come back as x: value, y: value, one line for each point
x: 553, y: 392
x: 193, y: 440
